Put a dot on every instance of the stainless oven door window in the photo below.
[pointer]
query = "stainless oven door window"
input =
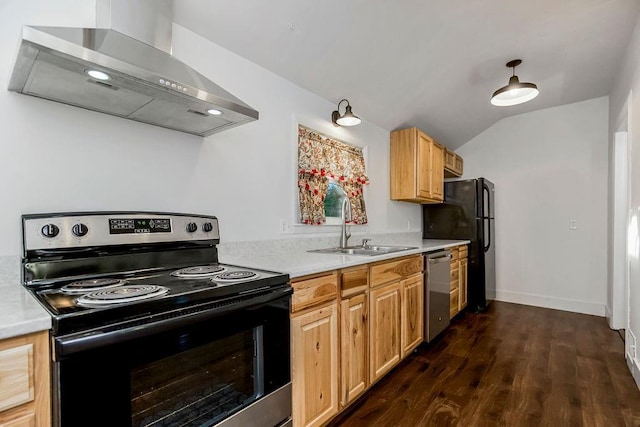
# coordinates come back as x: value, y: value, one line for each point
x: 200, y: 386
x: 196, y: 375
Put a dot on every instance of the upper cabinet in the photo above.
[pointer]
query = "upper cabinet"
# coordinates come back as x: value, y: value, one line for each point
x: 417, y: 167
x: 453, y: 164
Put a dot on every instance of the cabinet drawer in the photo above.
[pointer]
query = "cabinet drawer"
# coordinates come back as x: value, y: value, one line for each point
x: 16, y: 376
x: 26, y: 420
x: 454, y: 254
x: 463, y: 251
x: 454, y: 274
x: 314, y: 290
x: 354, y: 280
x: 388, y: 271
x: 453, y: 302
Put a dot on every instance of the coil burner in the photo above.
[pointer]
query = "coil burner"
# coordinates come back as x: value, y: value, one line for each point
x: 121, y: 294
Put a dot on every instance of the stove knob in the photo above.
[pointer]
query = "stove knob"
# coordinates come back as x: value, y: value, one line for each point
x: 50, y: 230
x: 191, y: 227
x: 79, y: 230
x: 207, y: 227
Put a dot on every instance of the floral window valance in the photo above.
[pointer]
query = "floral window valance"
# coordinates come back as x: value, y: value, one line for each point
x: 320, y: 159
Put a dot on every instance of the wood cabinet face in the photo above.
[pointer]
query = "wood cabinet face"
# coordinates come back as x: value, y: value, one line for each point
x: 384, y: 329
x: 314, y: 343
x: 425, y: 167
x: 25, y: 392
x: 412, y: 313
x: 437, y: 172
x: 463, y: 284
x: 312, y: 291
x: 354, y: 348
x: 416, y: 167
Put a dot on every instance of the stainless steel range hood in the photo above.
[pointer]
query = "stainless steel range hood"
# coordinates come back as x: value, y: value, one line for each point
x: 145, y: 84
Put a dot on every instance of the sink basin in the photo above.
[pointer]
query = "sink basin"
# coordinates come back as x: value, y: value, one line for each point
x: 367, y: 251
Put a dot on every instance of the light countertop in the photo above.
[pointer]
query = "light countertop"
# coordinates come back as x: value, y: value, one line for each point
x: 21, y: 314
x: 301, y: 263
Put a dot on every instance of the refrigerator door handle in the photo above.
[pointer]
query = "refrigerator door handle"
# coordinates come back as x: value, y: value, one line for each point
x: 488, y: 214
x: 486, y: 248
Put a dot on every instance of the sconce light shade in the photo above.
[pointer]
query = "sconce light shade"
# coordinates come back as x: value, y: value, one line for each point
x: 347, y: 119
x: 515, y: 92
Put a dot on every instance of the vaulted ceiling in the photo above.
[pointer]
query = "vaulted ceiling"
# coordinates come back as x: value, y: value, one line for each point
x: 431, y: 64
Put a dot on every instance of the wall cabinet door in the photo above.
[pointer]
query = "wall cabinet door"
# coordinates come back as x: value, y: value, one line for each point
x: 425, y: 166
x: 412, y: 313
x: 314, y: 347
x: 437, y: 172
x: 416, y: 167
x: 353, y: 352
x: 384, y: 327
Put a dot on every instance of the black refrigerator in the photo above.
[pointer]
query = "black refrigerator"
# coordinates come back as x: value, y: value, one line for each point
x: 467, y: 213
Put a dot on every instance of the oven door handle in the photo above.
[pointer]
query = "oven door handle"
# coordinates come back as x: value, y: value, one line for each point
x: 89, y: 340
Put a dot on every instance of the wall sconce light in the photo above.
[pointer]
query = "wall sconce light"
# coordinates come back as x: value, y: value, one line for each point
x: 515, y: 92
x: 347, y: 119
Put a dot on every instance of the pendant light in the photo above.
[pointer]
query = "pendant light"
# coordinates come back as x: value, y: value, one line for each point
x: 515, y: 92
x: 347, y: 119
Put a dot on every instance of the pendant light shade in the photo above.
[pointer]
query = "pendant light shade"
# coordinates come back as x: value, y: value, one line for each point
x: 347, y: 119
x: 515, y: 92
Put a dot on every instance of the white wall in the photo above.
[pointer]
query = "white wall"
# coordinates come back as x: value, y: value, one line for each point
x: 60, y: 158
x: 548, y: 167
x: 624, y: 111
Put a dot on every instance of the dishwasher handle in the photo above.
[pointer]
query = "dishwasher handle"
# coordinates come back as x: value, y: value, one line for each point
x: 440, y: 259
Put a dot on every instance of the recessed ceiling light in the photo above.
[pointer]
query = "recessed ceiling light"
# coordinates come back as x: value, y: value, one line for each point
x: 214, y: 112
x: 98, y: 75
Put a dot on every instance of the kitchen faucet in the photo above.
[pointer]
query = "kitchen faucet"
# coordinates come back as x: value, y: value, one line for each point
x: 344, y: 237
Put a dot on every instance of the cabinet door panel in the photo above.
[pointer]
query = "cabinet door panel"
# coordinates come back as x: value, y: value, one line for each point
x: 437, y: 177
x: 384, y: 327
x: 462, y: 296
x: 353, y: 339
x: 16, y: 376
x: 425, y: 147
x: 314, y: 343
x: 412, y: 313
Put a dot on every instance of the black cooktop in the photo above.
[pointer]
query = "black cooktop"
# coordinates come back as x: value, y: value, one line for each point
x: 182, y: 293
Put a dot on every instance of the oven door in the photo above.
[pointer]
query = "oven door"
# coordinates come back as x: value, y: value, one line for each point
x: 197, y: 369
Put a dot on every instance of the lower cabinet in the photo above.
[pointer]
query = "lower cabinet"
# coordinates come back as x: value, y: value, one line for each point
x: 462, y: 299
x: 384, y: 329
x: 314, y: 365
x: 353, y: 348
x: 412, y: 314
x: 25, y: 394
x: 348, y: 329
x: 458, y: 275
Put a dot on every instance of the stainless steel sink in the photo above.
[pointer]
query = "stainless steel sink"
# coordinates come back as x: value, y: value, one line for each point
x: 364, y: 250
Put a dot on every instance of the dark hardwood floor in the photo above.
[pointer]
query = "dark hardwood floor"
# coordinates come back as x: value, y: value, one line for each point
x: 513, y: 365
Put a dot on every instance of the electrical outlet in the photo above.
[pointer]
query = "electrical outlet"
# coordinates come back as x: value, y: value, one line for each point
x: 284, y: 226
x: 409, y: 225
x: 573, y: 224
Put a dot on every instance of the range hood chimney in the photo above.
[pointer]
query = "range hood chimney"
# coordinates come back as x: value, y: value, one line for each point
x: 140, y: 78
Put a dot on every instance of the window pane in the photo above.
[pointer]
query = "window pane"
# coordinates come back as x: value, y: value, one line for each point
x: 333, y: 200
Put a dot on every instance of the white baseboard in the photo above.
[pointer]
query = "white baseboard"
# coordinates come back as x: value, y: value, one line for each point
x: 575, y: 306
x: 634, y: 367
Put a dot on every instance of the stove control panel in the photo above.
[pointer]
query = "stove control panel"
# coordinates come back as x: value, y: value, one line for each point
x: 139, y: 225
x: 54, y: 231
